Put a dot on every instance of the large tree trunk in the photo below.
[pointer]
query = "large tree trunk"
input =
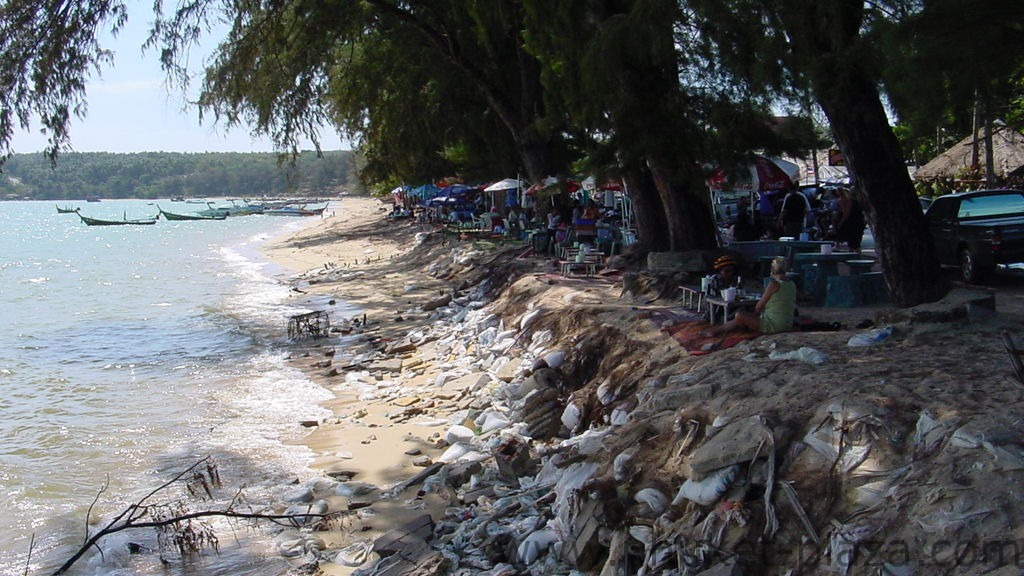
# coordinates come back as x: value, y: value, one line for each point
x: 652, y: 231
x: 884, y: 189
x: 825, y: 38
x: 653, y: 127
x: 688, y: 212
x: 535, y: 158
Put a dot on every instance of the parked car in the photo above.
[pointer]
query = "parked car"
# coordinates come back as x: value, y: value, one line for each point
x: 978, y: 230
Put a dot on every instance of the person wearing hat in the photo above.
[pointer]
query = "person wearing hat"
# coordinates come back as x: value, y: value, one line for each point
x: 774, y: 312
x: 726, y: 275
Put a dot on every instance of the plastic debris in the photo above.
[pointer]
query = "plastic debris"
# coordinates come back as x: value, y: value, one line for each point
x: 534, y: 545
x: 654, y: 499
x: 870, y: 337
x: 707, y: 491
x: 803, y: 354
x: 355, y: 554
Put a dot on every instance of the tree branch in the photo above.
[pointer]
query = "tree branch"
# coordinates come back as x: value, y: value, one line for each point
x: 130, y: 517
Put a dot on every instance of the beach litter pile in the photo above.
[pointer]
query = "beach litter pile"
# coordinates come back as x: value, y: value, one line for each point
x: 572, y: 442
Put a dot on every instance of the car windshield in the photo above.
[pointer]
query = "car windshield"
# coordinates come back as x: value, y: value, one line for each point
x: 991, y: 205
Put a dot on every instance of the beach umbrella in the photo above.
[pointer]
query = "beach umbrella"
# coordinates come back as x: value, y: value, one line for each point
x: 763, y: 174
x: 425, y: 192
x: 570, y: 186
x: 773, y: 173
x: 545, y: 183
x: 456, y: 190
x: 506, y: 184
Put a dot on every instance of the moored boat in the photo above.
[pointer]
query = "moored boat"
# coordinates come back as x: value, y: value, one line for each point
x: 99, y: 222
x: 213, y: 212
x: 233, y: 208
x: 290, y: 210
x: 194, y: 216
x: 241, y: 208
x: 66, y: 210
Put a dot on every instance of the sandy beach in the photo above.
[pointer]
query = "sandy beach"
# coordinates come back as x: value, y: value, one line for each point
x: 559, y: 360
x: 379, y: 437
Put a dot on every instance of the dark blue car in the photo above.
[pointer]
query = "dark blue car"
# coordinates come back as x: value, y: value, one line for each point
x: 978, y: 230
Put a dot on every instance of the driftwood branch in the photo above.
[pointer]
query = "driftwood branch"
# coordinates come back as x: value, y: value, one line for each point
x: 134, y: 516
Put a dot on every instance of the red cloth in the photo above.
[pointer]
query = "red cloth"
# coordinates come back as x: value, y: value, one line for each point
x: 688, y: 335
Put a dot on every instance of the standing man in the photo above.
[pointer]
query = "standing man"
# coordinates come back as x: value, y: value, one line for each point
x: 793, y: 212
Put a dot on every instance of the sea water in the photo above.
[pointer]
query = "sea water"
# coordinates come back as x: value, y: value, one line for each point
x: 128, y: 353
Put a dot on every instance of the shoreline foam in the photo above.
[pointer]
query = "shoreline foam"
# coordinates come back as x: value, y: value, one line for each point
x: 362, y: 441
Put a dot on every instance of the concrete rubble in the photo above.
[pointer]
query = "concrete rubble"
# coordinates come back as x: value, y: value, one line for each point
x: 554, y: 465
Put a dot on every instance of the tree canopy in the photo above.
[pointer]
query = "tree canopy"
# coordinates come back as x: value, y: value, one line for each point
x: 169, y: 174
x: 648, y: 90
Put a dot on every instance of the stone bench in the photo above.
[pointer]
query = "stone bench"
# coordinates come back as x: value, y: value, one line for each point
x: 856, y: 290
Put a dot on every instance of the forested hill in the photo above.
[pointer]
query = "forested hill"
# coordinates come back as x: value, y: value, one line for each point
x: 171, y: 174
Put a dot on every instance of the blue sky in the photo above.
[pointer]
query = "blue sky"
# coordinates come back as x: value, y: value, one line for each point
x: 130, y: 109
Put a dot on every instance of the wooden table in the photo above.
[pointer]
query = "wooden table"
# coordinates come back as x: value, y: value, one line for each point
x: 588, y: 264
x: 719, y: 309
x: 764, y: 251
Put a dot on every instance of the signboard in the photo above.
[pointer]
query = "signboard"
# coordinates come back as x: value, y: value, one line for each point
x: 835, y: 157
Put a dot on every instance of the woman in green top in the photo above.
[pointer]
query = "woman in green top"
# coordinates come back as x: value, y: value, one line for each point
x: 773, y: 312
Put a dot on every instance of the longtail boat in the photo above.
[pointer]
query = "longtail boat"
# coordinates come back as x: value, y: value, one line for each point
x: 173, y: 216
x: 66, y: 210
x: 97, y: 222
x: 290, y: 210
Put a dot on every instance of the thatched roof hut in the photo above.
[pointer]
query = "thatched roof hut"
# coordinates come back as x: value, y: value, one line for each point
x: 1007, y: 155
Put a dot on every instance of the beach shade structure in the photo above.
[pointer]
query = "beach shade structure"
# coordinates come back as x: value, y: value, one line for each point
x: 774, y: 173
x: 550, y: 182
x: 545, y: 183
x: 605, y: 190
x: 590, y: 184
x: 502, y: 185
x: 500, y: 192
x: 1007, y: 156
x: 444, y: 201
x: 763, y: 174
x: 424, y: 192
x: 457, y: 190
x: 399, y: 194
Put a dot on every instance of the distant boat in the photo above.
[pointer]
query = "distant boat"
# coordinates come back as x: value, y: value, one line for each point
x: 92, y: 198
x: 241, y: 208
x: 232, y: 208
x: 66, y: 210
x: 213, y: 212
x: 173, y: 216
x: 97, y: 222
x: 295, y: 211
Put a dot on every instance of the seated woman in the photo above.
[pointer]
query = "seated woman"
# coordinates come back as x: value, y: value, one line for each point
x: 773, y: 312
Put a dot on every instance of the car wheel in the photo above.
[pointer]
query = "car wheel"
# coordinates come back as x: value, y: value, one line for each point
x: 970, y: 271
